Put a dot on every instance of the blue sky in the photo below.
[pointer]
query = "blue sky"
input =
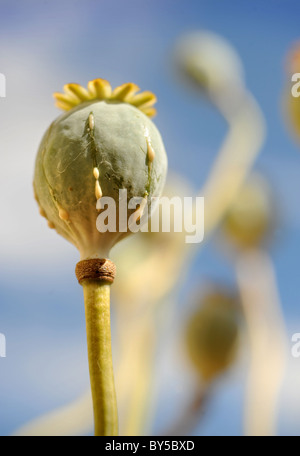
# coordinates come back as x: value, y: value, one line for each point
x: 45, y: 44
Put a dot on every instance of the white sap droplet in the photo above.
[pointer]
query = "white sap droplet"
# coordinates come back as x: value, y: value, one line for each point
x: 91, y: 121
x: 96, y: 173
x: 63, y: 214
x: 150, y: 150
x: 98, y: 191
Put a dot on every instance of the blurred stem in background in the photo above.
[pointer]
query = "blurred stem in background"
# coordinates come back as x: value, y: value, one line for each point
x: 261, y: 304
x: 248, y: 225
x: 190, y: 416
x: 235, y: 159
x: 212, y: 342
x: 135, y: 373
x: 73, y: 419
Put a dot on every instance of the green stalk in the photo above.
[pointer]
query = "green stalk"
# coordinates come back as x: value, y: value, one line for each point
x: 97, y: 313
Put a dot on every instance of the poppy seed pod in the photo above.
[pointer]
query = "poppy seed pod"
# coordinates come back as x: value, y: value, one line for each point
x: 250, y: 219
x: 212, y: 334
x: 105, y: 142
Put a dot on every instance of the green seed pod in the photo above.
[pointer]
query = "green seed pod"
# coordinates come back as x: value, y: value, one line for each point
x: 212, y: 334
x: 250, y: 219
x: 103, y: 143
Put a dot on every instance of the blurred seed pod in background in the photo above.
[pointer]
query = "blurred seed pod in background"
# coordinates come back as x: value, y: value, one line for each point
x: 208, y: 61
x: 250, y: 220
x: 212, y: 333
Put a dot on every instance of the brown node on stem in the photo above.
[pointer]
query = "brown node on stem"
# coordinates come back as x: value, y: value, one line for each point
x: 96, y: 269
